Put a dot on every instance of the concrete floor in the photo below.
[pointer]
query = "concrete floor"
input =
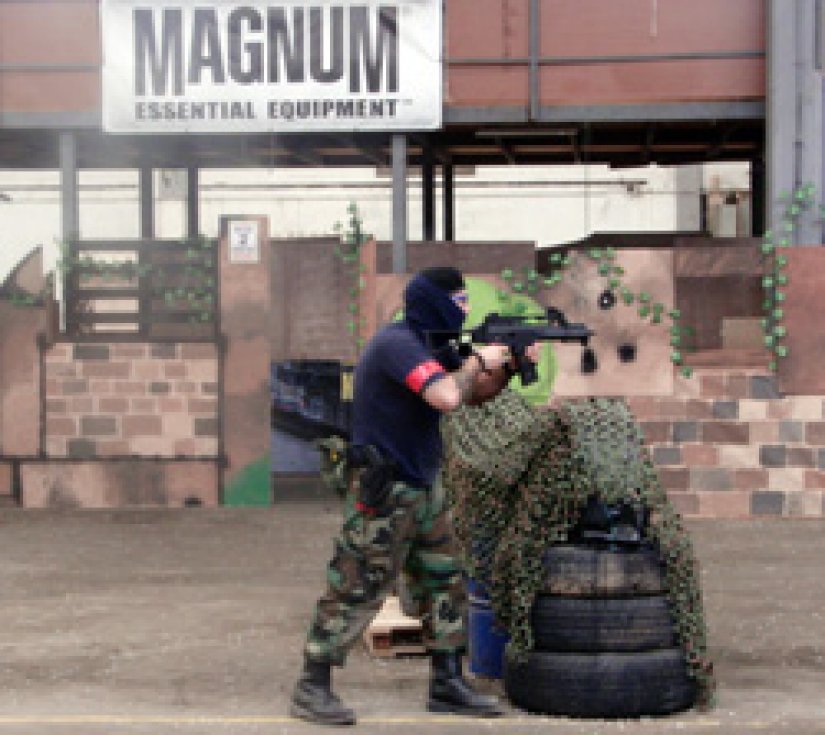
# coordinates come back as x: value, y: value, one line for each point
x: 191, y: 621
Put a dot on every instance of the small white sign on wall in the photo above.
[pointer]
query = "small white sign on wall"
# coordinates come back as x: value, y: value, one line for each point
x: 244, y: 241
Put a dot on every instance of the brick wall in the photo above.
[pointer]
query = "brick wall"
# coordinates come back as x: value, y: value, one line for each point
x: 131, y: 399
x: 310, y: 297
x: 311, y: 288
x: 727, y: 444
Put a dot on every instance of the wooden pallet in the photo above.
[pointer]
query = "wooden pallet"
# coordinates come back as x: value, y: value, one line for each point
x: 392, y: 633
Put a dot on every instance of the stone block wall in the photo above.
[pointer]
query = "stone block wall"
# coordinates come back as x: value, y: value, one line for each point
x: 131, y: 399
x: 728, y: 444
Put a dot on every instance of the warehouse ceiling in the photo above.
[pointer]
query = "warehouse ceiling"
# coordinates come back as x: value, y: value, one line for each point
x: 616, y: 144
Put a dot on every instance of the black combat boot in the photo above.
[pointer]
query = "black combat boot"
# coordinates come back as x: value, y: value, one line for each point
x: 451, y: 693
x: 314, y: 700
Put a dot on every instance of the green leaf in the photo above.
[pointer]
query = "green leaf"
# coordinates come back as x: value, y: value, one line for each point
x: 644, y: 297
x: 618, y: 270
x: 779, y: 296
x: 779, y: 330
x: 784, y: 242
x: 767, y: 248
x: 352, y: 308
x: 778, y: 313
x: 507, y: 274
x: 676, y: 341
x: 555, y: 258
x: 676, y: 357
x: 782, y: 351
x: 644, y: 311
x: 767, y: 282
x: 675, y: 314
x: 351, y: 326
x: 769, y: 340
x: 604, y: 269
x: 687, y: 371
x: 610, y: 253
x: 781, y: 261
x: 628, y: 297
x: 531, y: 274
x: 549, y: 282
x: 782, y: 279
x: 773, y: 366
x: 614, y: 283
x: 517, y: 286
x: 595, y: 253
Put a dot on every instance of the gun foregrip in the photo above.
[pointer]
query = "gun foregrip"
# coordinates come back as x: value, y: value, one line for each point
x: 527, y: 370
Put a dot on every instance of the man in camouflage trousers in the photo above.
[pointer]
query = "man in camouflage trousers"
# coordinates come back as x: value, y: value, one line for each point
x: 396, y: 521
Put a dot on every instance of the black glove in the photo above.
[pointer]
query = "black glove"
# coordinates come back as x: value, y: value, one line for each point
x: 375, y: 482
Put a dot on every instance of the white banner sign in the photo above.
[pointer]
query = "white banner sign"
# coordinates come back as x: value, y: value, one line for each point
x: 224, y: 66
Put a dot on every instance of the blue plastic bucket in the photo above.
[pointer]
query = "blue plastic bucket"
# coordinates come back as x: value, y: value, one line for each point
x: 486, y: 640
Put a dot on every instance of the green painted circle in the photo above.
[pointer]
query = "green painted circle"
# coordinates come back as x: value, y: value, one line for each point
x: 485, y: 299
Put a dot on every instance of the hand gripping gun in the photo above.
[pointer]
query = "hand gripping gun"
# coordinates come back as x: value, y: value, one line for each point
x: 518, y: 333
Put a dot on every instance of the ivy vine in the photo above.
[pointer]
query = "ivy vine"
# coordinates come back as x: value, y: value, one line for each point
x: 348, y: 251
x: 528, y: 281
x: 193, y: 288
x: 774, y: 278
x: 21, y: 298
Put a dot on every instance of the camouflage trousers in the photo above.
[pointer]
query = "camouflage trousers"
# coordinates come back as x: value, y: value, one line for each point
x: 412, y: 538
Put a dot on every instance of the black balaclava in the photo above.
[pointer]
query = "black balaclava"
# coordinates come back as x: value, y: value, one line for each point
x: 428, y: 306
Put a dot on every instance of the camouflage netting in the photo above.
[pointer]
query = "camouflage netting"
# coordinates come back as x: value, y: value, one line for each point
x: 518, y: 477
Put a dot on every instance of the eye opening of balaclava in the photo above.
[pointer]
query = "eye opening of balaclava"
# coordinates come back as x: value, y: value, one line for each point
x: 427, y: 303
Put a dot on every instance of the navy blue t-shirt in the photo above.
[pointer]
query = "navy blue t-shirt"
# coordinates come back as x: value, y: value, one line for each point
x: 388, y: 410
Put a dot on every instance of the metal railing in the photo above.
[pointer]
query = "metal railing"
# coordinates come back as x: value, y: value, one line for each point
x: 141, y: 289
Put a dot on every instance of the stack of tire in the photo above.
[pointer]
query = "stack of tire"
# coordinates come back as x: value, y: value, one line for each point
x: 605, y: 645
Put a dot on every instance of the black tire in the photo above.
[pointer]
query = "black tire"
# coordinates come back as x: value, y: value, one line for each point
x: 602, y: 625
x: 601, y: 685
x: 588, y: 571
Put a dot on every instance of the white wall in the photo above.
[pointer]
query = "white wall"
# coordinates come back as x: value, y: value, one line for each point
x: 545, y: 204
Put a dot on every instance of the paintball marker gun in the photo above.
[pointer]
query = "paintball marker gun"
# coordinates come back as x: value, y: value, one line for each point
x: 518, y: 333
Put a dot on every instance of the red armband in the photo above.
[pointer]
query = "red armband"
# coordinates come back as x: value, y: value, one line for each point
x: 418, y: 377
